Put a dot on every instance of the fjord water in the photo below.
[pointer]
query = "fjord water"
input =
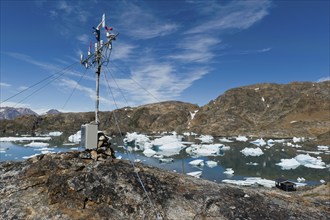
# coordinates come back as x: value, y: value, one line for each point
x: 263, y: 166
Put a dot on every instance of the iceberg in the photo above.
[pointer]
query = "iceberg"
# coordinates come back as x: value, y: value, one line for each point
x: 252, y: 151
x: 196, y: 174
x: 288, y: 164
x: 204, y: 150
x: 170, y: 149
x: 249, y: 181
x: 36, y: 144
x: 75, y: 138
x: 325, y: 148
x: 149, y: 152
x: 302, y: 159
x: 207, y: 139
x: 197, y: 162
x: 229, y: 171
x: 211, y: 163
x: 55, y: 133
x: 225, y: 140
x: 140, y: 140
x: 241, y: 138
x: 259, y: 142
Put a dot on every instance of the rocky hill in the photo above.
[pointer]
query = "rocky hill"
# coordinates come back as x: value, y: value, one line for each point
x: 263, y: 110
x: 10, y: 113
x: 272, y: 110
x: 70, y: 186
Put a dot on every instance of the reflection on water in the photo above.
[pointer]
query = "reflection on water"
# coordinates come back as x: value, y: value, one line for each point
x: 244, y: 166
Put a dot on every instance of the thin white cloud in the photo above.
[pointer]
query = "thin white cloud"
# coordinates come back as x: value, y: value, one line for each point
x: 122, y: 50
x: 235, y: 15
x: 4, y: 85
x: 142, y: 24
x: 323, y: 79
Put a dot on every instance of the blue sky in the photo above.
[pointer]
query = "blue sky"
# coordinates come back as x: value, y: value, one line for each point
x: 189, y: 51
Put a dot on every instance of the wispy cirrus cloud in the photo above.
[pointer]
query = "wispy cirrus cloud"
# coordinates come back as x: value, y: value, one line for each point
x: 142, y: 24
x: 234, y: 15
x: 4, y: 85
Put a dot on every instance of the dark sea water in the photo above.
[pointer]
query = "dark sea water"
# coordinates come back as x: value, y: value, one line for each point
x: 263, y: 166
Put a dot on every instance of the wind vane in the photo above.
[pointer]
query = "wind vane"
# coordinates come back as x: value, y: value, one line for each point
x: 98, y: 58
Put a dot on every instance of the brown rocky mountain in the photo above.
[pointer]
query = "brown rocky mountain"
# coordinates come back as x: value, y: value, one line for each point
x: 271, y: 110
x: 263, y: 110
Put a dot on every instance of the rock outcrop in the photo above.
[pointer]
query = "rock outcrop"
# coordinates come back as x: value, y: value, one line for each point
x: 67, y: 186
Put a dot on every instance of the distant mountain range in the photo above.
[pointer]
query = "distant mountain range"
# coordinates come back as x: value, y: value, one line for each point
x: 11, y: 113
x: 262, y: 110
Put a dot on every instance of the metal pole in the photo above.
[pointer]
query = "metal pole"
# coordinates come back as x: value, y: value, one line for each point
x: 98, y: 72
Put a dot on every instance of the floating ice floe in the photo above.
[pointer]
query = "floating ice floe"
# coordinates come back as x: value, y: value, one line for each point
x: 204, y: 149
x: 169, y: 145
x: 207, y: 139
x: 36, y: 144
x: 252, y: 151
x: 21, y: 139
x: 75, y: 138
x: 229, y: 171
x: 301, y: 179
x: 252, y: 164
x: 141, y: 141
x: 197, y: 162
x: 149, y: 152
x: 259, y: 142
x: 225, y: 140
x: 296, y: 140
x: 55, y: 133
x: 293, y: 145
x: 250, y: 181
x: 196, y: 174
x: 302, y: 159
x: 325, y: 148
x: 211, y: 163
x: 241, y: 138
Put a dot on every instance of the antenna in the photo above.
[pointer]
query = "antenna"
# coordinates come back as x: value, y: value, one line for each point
x: 97, y: 58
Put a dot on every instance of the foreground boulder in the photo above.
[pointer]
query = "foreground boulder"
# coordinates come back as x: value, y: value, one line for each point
x: 66, y: 186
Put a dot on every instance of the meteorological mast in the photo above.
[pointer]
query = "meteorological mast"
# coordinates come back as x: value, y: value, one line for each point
x: 100, y: 56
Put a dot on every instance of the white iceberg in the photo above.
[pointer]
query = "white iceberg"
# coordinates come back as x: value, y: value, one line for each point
x: 197, y: 162
x: 295, y: 139
x: 207, y: 139
x: 259, y: 142
x: 249, y: 181
x: 149, y: 152
x: 170, y: 149
x: 211, y: 163
x: 302, y: 159
x: 325, y: 148
x: 204, y: 149
x: 75, y: 138
x: 288, y: 164
x: 225, y: 140
x: 229, y: 171
x: 196, y: 174
x: 141, y: 141
x: 55, y: 133
x: 311, y: 162
x: 36, y: 144
x: 252, y: 151
x: 241, y: 138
